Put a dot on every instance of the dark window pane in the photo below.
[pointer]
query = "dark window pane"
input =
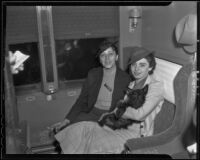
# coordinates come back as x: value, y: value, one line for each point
x: 76, y: 57
x: 31, y: 73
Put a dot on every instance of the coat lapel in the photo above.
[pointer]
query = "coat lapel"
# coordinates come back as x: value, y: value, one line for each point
x: 98, y: 80
x: 148, y: 80
x: 116, y: 88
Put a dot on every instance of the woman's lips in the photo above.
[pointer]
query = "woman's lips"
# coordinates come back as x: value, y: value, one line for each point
x: 136, y: 74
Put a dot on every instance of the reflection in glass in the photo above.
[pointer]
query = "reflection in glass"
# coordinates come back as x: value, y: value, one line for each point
x: 75, y: 57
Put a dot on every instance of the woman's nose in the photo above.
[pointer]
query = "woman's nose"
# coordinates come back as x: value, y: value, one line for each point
x: 136, y: 67
x: 107, y: 57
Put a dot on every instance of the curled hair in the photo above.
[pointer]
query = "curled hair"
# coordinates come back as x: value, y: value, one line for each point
x: 152, y: 62
x: 105, y: 45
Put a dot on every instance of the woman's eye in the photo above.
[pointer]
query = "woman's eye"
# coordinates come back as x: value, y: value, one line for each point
x: 142, y: 65
x: 111, y: 54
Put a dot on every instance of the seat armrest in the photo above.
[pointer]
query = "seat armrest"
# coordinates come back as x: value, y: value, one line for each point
x: 151, y: 141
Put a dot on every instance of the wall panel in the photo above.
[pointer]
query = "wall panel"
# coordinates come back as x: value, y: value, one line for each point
x: 158, y: 30
x: 85, y: 21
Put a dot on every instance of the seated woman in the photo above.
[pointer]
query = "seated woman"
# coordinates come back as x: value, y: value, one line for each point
x: 88, y: 137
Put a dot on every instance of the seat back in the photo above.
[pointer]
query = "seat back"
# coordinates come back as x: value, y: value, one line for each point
x: 179, y: 95
x: 166, y: 72
x: 165, y: 117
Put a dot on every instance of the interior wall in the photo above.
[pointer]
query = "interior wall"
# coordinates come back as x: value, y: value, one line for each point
x: 127, y: 38
x: 158, y: 29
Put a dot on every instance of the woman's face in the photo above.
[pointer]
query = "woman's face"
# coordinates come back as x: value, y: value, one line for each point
x: 140, y: 69
x: 108, y: 58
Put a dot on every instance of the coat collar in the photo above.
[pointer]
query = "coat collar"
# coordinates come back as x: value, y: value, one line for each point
x: 116, y: 90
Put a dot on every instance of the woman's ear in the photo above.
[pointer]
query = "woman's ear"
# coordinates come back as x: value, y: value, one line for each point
x: 116, y: 57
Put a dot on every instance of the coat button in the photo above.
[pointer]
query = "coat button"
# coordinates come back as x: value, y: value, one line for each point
x: 141, y: 126
x: 142, y: 135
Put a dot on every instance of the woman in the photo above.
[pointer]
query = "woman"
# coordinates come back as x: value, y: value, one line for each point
x: 89, y: 138
x: 102, y: 89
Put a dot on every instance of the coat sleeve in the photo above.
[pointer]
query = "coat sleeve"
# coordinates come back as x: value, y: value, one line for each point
x: 81, y: 103
x: 153, y: 98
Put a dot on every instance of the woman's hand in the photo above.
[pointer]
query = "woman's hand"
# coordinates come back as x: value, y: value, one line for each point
x: 128, y: 110
x: 59, y: 126
x: 12, y: 60
x: 104, y: 114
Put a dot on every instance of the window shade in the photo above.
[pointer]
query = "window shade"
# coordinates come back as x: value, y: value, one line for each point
x: 85, y: 21
x: 21, y: 24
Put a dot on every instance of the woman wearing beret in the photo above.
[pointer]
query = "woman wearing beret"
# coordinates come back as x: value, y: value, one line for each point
x: 88, y: 137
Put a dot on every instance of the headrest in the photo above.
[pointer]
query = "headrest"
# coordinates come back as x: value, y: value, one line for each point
x: 166, y: 71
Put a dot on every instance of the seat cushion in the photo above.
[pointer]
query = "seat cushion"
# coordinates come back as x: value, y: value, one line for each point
x: 165, y: 117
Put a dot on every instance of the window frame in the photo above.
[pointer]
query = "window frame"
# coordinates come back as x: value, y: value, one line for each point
x: 37, y: 87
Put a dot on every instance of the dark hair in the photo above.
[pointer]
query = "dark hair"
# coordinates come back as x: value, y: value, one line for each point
x: 105, y: 45
x: 152, y: 62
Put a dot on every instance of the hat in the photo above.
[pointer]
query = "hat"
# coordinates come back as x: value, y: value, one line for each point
x: 186, y: 32
x: 137, y: 53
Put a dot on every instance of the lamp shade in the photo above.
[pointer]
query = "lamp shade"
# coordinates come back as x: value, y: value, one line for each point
x: 135, y: 13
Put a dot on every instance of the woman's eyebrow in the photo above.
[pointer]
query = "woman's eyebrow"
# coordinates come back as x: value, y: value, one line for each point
x: 106, y: 53
x: 142, y: 63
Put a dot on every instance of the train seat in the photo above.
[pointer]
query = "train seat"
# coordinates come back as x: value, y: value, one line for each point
x: 166, y: 71
x: 172, y: 120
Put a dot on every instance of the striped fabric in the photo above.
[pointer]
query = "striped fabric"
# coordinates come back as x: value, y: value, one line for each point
x: 166, y: 71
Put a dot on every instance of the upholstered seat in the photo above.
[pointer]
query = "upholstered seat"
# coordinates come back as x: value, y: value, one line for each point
x: 165, y: 117
x: 172, y: 121
x: 166, y: 71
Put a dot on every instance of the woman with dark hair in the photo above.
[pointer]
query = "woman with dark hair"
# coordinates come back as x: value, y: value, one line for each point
x: 102, y: 89
x: 88, y: 137
x: 149, y: 57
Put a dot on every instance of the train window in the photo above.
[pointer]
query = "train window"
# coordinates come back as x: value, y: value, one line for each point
x: 75, y: 57
x: 31, y: 73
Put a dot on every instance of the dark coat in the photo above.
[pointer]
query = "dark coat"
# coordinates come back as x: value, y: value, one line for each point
x: 90, y: 91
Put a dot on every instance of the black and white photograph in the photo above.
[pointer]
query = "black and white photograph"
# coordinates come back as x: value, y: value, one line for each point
x: 99, y: 79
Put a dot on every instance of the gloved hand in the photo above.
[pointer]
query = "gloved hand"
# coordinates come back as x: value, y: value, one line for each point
x: 55, y: 128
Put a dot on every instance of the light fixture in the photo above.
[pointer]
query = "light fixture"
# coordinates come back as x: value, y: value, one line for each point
x: 134, y: 16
